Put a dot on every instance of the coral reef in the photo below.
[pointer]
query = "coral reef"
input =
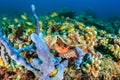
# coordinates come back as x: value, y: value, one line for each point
x: 59, y: 47
x: 48, y: 61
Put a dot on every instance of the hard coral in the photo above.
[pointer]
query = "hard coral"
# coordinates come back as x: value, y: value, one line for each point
x: 92, y: 66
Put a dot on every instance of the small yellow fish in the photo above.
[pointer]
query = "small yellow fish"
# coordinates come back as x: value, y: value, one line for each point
x: 71, y: 29
x: 24, y: 16
x: 4, y: 18
x: 46, y: 17
x: 16, y: 20
x: 51, y: 22
x: 41, y: 25
x: 63, y: 27
x: 29, y: 23
x: 30, y: 30
x: 81, y: 25
x: 54, y: 14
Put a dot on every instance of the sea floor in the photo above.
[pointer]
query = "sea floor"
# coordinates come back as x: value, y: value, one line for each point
x: 62, y: 34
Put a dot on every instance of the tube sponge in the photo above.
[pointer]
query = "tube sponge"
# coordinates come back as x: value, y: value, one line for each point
x: 79, y: 60
x: 36, y: 19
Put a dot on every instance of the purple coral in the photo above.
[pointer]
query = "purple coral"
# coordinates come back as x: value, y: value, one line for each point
x: 15, y: 53
x: 44, y: 54
x: 36, y: 20
x: 79, y: 60
x: 45, y: 62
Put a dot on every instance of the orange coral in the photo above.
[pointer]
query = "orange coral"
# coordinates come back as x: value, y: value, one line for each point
x: 61, y: 49
x: 58, y: 45
x: 69, y: 54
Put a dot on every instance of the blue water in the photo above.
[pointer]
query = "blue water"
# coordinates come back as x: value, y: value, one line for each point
x: 102, y: 8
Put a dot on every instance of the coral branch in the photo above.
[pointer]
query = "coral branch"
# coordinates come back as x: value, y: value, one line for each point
x: 41, y: 48
x: 30, y: 47
x: 36, y: 20
x: 14, y: 53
